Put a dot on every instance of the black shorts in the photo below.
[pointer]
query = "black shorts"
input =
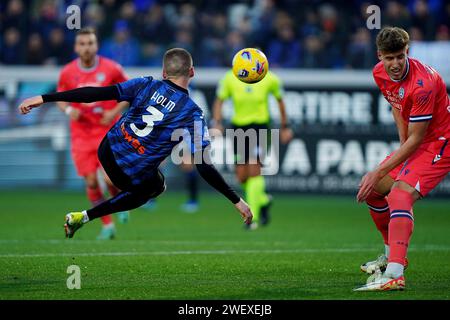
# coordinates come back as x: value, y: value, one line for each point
x: 122, y: 180
x: 247, y: 144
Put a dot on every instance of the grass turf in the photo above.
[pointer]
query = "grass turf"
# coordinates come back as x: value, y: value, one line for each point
x: 312, y: 249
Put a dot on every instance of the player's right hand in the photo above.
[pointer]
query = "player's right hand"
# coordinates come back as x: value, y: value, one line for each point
x: 367, y: 184
x: 286, y: 135
x: 30, y: 103
x: 245, y: 211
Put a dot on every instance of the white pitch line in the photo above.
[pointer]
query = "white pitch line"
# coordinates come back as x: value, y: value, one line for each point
x: 202, y: 252
x: 168, y: 253
x: 146, y: 242
x: 75, y: 242
x: 189, y: 242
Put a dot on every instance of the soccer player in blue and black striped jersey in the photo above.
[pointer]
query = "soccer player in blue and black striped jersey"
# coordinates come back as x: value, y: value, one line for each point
x: 160, y: 115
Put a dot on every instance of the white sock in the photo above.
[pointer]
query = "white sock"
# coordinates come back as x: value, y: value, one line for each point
x: 386, y: 250
x: 108, y: 226
x: 394, y: 270
x: 85, y: 216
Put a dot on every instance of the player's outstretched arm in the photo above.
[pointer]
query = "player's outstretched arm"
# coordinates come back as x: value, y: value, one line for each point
x: 30, y: 103
x: 85, y: 94
x: 244, y: 210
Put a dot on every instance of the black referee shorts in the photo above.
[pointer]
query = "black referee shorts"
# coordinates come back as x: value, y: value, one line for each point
x: 247, y: 144
x: 153, y: 186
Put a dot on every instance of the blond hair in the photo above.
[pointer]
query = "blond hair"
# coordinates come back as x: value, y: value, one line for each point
x: 177, y: 62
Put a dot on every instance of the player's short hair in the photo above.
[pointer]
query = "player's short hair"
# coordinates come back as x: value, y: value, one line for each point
x: 177, y: 62
x: 87, y: 30
x: 392, y: 39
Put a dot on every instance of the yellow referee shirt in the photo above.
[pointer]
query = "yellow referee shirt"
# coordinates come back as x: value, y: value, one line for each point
x: 250, y: 101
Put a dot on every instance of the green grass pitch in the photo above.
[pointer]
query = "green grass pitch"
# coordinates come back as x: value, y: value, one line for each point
x: 311, y: 250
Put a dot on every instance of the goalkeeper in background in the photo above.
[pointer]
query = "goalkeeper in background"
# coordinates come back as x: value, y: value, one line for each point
x: 251, y: 112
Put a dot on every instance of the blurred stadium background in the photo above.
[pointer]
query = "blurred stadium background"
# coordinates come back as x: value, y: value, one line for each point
x: 322, y: 51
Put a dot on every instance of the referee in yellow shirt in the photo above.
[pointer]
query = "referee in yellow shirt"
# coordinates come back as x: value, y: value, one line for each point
x: 251, y: 112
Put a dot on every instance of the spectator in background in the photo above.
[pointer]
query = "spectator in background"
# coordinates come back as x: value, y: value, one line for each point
x: 152, y: 54
x: 36, y: 52
x: 311, y: 24
x: 246, y: 29
x: 203, y: 26
x: 239, y: 18
x: 415, y: 34
x: 236, y: 12
x: 435, y: 6
x: 284, y: 38
x: 154, y: 27
x: 94, y: 17
x: 360, y: 52
x: 15, y: 16
x: 262, y: 19
x: 234, y: 43
x: 211, y: 52
x: 334, y: 34
x: 443, y: 34
x: 445, y: 16
x: 144, y: 5
x: 109, y: 8
x: 422, y: 19
x: 395, y: 14
x: 47, y: 18
x: 186, y: 18
x: 212, y: 46
x: 185, y: 26
x: 122, y: 48
x: 11, y: 52
x: 313, y: 55
x: 128, y: 14
x: 185, y: 40
x: 59, y: 52
x: 284, y: 50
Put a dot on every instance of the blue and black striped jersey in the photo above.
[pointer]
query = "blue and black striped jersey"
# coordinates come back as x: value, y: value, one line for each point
x: 161, y: 114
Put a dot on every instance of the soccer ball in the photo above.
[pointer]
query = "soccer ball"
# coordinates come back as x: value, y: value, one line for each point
x: 250, y: 65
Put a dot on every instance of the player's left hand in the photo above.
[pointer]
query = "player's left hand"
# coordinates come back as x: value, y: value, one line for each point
x: 108, y: 117
x: 245, y: 211
x: 367, y: 184
x: 286, y: 135
x: 30, y: 103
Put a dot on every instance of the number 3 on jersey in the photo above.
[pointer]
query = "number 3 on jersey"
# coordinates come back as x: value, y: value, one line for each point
x: 149, y: 119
